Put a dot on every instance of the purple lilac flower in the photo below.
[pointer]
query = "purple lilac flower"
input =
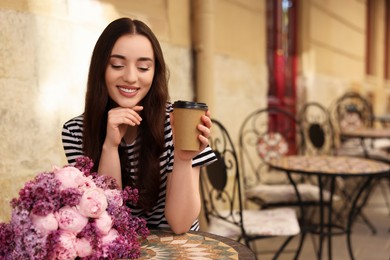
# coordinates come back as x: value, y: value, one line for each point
x: 35, y: 244
x: 20, y: 222
x: 124, y: 248
x: 105, y: 182
x: 70, y: 197
x: 52, y: 242
x: 28, y: 244
x: 140, y: 227
x: 40, y: 195
x: 43, y: 206
x: 7, y: 243
x: 130, y: 194
x: 121, y: 218
x: 84, y: 164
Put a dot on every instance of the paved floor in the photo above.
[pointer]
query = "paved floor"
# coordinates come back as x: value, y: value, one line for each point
x: 366, y: 245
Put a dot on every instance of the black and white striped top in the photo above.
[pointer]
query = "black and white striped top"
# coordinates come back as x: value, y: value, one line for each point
x: 72, y: 141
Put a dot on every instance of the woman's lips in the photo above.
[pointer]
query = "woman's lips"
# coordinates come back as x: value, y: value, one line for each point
x: 128, y: 92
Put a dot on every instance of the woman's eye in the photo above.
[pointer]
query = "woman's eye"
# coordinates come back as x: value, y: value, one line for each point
x: 143, y: 68
x: 116, y: 66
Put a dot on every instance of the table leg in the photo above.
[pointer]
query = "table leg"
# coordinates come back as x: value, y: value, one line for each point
x: 328, y: 231
x: 349, y: 198
x: 330, y: 215
x: 321, y: 232
x: 354, y: 211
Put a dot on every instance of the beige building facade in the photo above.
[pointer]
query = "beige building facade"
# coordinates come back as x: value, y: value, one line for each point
x: 215, y: 51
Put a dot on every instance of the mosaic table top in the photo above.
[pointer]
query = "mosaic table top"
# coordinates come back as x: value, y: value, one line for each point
x: 330, y: 165
x: 367, y: 133
x: 163, y: 244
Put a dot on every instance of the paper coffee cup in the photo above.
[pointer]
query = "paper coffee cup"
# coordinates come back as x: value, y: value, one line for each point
x: 187, y: 116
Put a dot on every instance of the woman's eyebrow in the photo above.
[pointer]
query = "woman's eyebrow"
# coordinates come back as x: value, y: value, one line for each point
x: 145, y: 59
x: 118, y: 56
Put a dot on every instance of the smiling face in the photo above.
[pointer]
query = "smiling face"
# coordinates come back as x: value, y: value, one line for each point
x: 130, y: 70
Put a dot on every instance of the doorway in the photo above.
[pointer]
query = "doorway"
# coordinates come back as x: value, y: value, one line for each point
x: 282, y: 57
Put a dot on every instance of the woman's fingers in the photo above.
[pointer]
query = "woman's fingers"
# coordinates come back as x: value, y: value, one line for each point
x: 205, y: 130
x: 128, y: 116
x: 119, y: 119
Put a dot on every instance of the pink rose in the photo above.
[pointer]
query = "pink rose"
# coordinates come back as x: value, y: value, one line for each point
x: 83, y: 247
x: 66, y: 248
x: 44, y: 224
x: 104, y: 223
x: 85, y: 183
x: 114, y: 197
x: 107, y: 240
x: 110, y: 237
x: 70, y: 177
x: 93, y: 203
x: 69, y: 219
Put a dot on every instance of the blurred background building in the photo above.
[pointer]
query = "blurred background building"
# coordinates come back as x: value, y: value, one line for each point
x: 235, y: 55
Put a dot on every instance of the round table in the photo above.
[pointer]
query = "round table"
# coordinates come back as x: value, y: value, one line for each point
x: 374, y: 133
x: 164, y: 244
x: 327, y: 168
x: 368, y: 133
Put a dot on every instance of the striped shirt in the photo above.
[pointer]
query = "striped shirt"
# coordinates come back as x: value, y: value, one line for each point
x: 72, y: 139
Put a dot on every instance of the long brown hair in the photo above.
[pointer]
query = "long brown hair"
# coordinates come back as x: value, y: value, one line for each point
x: 151, y: 130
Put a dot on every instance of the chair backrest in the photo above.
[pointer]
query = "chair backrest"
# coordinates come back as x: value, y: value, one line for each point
x: 265, y: 134
x: 352, y: 111
x: 317, y: 128
x: 220, y: 181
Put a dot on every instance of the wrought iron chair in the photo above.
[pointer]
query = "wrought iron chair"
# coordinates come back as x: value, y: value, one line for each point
x: 316, y: 126
x: 223, y: 201
x: 260, y: 140
x: 351, y: 111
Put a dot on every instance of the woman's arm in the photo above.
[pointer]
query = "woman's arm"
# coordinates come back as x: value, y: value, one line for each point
x: 118, y: 123
x: 109, y: 164
x: 183, y: 197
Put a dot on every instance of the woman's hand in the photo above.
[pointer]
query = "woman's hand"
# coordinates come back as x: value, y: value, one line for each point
x: 118, y: 121
x: 204, y: 129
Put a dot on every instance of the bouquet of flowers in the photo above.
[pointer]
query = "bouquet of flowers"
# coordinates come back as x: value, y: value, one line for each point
x: 72, y: 213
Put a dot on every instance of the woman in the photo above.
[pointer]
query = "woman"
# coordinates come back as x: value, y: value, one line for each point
x: 126, y: 128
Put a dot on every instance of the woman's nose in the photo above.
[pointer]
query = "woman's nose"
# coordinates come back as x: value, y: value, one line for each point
x: 130, y: 74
